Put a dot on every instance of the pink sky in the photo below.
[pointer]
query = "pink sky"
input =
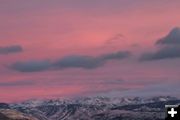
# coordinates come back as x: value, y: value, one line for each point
x: 42, y: 33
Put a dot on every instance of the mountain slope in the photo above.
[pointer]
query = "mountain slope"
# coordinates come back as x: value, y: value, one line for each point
x: 7, y: 114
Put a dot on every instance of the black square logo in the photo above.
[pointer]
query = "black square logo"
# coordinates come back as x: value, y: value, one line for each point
x: 172, y: 112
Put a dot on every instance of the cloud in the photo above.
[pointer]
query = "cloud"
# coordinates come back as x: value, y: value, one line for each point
x: 74, y: 61
x: 163, y: 53
x: 31, y: 66
x: 10, y: 49
x: 115, y: 38
x: 89, y: 62
x: 169, y: 47
x: 111, y: 82
x: 172, y: 38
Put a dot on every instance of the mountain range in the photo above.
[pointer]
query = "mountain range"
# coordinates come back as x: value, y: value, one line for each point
x: 89, y: 108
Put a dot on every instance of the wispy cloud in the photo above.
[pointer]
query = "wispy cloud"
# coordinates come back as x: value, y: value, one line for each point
x: 31, y: 66
x: 74, y: 61
x: 10, y: 49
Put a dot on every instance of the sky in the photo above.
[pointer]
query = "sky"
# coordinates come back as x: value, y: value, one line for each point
x: 76, y: 48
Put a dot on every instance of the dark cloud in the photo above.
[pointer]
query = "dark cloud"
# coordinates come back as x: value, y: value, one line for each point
x: 86, y: 62
x: 163, y: 53
x: 10, y: 49
x: 170, y: 48
x: 31, y: 66
x: 75, y: 61
x: 172, y: 38
x: 89, y: 62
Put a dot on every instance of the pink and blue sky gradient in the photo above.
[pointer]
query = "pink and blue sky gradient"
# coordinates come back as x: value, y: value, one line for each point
x: 74, y: 48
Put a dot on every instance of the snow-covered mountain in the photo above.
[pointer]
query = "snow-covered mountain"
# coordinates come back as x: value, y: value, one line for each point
x: 98, y: 101
x: 96, y: 108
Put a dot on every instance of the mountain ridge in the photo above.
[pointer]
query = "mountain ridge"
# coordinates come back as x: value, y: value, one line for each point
x: 97, y: 108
